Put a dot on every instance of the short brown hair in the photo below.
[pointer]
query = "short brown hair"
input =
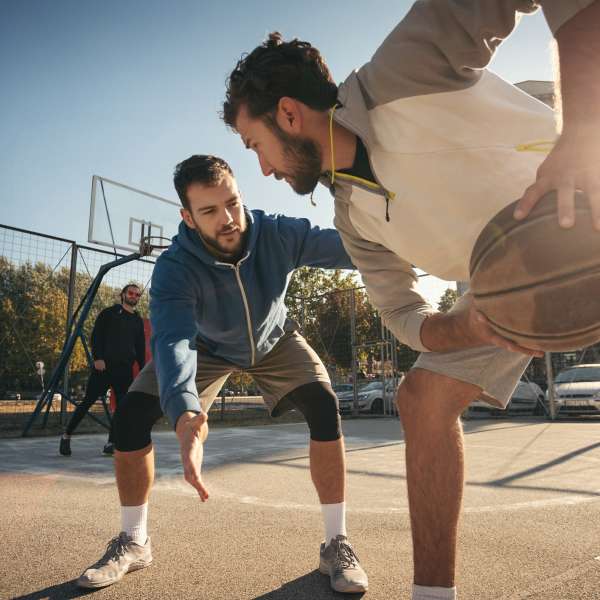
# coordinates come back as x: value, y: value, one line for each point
x: 199, y: 168
x: 275, y: 69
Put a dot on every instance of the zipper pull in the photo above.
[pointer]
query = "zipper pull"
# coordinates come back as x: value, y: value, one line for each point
x: 387, y: 208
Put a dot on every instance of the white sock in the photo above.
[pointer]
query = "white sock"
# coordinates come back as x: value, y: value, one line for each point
x: 134, y: 522
x: 423, y: 592
x: 334, y: 519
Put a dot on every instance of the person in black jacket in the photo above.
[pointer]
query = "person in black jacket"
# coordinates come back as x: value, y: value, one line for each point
x: 117, y: 342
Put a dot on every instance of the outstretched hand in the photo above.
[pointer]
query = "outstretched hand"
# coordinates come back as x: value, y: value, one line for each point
x: 192, y: 430
x: 573, y: 164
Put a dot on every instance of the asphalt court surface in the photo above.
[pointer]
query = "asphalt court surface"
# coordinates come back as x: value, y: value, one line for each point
x: 530, y: 525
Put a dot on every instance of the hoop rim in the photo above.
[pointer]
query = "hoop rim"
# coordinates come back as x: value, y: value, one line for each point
x: 147, y: 246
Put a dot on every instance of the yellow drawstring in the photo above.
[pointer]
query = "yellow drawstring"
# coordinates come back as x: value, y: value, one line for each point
x: 331, y: 144
x: 543, y: 146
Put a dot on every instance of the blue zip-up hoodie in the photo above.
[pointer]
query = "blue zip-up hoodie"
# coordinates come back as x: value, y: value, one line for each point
x: 236, y: 311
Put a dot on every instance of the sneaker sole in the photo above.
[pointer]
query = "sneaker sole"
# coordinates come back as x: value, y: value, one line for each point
x: 101, y: 584
x: 349, y: 589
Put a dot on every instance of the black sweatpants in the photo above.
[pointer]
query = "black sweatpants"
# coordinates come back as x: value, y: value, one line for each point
x: 119, y: 376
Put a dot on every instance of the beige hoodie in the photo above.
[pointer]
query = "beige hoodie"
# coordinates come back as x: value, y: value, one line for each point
x: 450, y: 144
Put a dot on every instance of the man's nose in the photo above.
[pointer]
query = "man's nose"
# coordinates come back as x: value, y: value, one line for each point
x: 227, y: 216
x: 265, y: 167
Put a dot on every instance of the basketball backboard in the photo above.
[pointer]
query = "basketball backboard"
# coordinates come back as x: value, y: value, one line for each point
x: 120, y: 216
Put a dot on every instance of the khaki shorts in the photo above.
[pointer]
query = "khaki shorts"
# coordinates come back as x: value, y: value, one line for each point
x: 290, y: 364
x: 494, y: 370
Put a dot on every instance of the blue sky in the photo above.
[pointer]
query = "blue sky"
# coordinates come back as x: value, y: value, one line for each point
x: 126, y: 89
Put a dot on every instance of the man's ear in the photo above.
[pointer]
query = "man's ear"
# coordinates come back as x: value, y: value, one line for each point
x: 187, y: 218
x: 289, y: 115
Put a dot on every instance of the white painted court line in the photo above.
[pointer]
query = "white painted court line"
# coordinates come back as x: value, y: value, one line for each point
x: 553, y: 582
x: 181, y: 487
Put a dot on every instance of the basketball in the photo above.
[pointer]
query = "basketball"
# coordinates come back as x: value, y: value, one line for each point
x: 537, y: 283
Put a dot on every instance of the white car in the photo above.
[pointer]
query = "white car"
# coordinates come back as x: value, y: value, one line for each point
x: 577, y: 390
x: 526, y: 398
x: 371, y: 398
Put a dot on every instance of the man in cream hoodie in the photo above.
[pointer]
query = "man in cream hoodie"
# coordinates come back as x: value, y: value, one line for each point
x: 421, y: 147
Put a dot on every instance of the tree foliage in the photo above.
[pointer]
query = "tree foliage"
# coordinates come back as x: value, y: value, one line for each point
x: 33, y: 310
x: 33, y: 314
x: 447, y: 300
x: 321, y: 301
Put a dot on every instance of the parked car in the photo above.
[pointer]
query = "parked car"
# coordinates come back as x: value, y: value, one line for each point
x: 577, y: 390
x: 526, y: 398
x: 225, y: 392
x: 345, y: 394
x: 340, y: 388
x: 370, y: 398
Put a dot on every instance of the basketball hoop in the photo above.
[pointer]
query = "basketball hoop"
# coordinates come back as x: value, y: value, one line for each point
x: 150, y: 243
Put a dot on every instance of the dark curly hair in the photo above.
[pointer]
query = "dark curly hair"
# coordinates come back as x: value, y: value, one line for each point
x: 199, y: 168
x: 276, y: 69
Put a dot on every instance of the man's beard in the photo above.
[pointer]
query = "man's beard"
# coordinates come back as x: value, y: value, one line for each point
x: 219, y: 250
x: 130, y: 301
x: 303, y: 157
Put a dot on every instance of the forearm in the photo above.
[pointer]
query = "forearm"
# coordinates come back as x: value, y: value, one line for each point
x: 97, y: 348
x: 442, y: 332
x: 183, y: 422
x: 97, y: 339
x: 140, y: 355
x: 578, y: 43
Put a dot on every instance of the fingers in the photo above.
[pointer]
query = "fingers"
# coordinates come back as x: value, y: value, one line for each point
x: 502, y: 342
x: 593, y: 193
x: 566, y: 204
x: 530, y: 198
x: 194, y: 479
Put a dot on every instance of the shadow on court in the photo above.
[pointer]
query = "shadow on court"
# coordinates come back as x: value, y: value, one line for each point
x: 528, y: 527
x: 308, y: 587
x: 66, y: 590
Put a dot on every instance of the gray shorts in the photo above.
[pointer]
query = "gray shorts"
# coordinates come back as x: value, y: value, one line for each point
x: 494, y: 370
x: 290, y: 364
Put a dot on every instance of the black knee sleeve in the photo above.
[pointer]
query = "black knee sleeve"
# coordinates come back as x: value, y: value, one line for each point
x: 319, y: 405
x: 133, y: 421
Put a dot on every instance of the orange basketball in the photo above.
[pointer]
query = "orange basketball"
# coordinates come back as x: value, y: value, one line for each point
x: 537, y: 283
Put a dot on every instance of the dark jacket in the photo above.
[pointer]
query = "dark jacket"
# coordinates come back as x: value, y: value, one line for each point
x: 118, y: 337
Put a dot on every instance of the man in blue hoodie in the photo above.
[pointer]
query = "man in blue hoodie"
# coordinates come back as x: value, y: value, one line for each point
x: 217, y: 306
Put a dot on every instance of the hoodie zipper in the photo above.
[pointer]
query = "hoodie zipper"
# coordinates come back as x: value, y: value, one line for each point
x: 369, y: 186
x: 236, y: 269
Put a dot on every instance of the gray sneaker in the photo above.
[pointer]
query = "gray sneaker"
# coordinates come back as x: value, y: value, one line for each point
x: 339, y: 561
x: 122, y: 556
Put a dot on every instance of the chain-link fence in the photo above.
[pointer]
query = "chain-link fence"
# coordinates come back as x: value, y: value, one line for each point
x: 44, y: 278
x: 42, y: 281
x: 364, y: 361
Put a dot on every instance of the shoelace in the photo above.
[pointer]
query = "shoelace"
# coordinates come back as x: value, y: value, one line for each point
x: 346, y: 557
x: 114, y: 550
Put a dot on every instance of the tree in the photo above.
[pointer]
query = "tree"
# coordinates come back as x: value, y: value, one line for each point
x: 33, y: 313
x: 321, y: 302
x: 449, y: 297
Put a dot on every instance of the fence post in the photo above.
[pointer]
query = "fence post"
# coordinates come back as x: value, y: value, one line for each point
x: 550, y: 383
x: 382, y: 357
x: 354, y: 358
x: 70, y: 305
